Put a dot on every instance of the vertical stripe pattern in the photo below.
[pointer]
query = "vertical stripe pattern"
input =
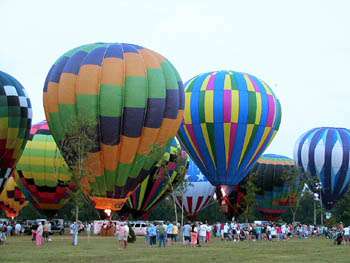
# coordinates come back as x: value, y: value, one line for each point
x: 325, y: 153
x: 230, y: 119
x: 163, y: 177
x: 198, y: 193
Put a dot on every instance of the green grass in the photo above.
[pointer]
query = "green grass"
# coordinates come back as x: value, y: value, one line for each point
x: 104, y: 249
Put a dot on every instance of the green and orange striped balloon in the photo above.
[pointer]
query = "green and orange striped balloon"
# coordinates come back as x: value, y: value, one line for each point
x: 135, y: 98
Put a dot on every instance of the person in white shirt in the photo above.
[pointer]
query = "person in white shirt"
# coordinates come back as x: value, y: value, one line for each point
x: 18, y: 229
x: 226, y: 229
x: 203, y: 233
x: 347, y: 234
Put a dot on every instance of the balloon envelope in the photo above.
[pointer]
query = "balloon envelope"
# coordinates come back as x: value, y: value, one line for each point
x: 198, y: 193
x: 15, y: 122
x: 163, y: 178
x: 275, y: 194
x: 134, y: 99
x: 12, y: 199
x: 42, y: 172
x: 231, y: 199
x: 230, y: 118
x: 325, y: 153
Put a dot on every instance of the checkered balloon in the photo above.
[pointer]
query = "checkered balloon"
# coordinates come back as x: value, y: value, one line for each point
x: 15, y: 122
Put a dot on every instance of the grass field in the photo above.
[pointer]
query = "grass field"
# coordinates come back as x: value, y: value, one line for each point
x: 104, y: 249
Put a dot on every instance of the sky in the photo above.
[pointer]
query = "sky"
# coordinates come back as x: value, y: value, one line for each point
x: 301, y: 48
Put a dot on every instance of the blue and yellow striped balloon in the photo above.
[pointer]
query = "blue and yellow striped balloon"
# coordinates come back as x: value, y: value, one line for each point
x: 230, y: 119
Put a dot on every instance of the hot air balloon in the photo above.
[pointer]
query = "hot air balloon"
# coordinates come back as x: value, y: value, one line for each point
x: 231, y: 199
x: 15, y: 122
x: 230, y: 118
x: 134, y: 98
x: 42, y: 173
x: 12, y: 199
x: 198, y: 193
x: 162, y: 180
x: 324, y: 153
x: 276, y: 186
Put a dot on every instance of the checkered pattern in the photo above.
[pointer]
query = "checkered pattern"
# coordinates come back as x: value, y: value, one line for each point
x: 135, y: 95
x: 15, y: 122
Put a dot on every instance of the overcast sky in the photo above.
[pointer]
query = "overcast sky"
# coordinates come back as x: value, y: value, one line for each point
x: 300, y: 48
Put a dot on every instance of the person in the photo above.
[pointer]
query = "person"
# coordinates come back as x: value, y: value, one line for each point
x: 9, y: 229
x: 209, y: 231
x: 88, y: 230
x: 175, y: 233
x: 161, y: 232
x: 225, y: 231
x: 186, y: 233
x: 2, y: 233
x: 18, y: 229
x: 169, y: 232
x: 258, y: 231
x: 39, y: 235
x: 194, y: 235
x: 123, y: 232
x: 49, y: 226
x: 46, y: 231
x: 74, y: 231
x: 347, y: 234
x: 152, y: 232
x: 202, y: 233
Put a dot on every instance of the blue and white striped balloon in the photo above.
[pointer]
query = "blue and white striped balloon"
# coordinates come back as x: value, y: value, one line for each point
x: 324, y: 152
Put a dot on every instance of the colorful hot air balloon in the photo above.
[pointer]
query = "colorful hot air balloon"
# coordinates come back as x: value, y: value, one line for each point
x: 42, y: 173
x: 12, y: 199
x: 15, y: 122
x: 198, y: 193
x: 231, y: 199
x: 325, y: 153
x: 134, y: 98
x: 230, y: 118
x: 275, y: 194
x: 163, y: 178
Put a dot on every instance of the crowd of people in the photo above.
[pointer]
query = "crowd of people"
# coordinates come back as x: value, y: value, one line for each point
x: 193, y: 234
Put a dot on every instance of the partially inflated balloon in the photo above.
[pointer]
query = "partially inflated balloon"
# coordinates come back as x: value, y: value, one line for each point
x: 163, y: 178
x: 231, y: 199
x: 275, y: 194
x: 15, y: 121
x: 42, y: 173
x: 325, y: 153
x: 198, y: 193
x: 230, y: 118
x: 133, y: 95
x: 12, y: 199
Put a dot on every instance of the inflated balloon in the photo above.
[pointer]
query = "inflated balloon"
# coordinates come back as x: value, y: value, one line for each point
x: 12, y: 199
x: 231, y: 199
x: 163, y: 178
x: 198, y: 193
x: 275, y: 194
x: 42, y: 173
x: 230, y: 118
x: 133, y: 95
x: 325, y: 153
x: 15, y: 122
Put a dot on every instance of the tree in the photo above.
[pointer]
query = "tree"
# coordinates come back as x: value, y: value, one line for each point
x: 80, y: 139
x: 179, y: 185
x: 249, y: 198
x: 295, y: 181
